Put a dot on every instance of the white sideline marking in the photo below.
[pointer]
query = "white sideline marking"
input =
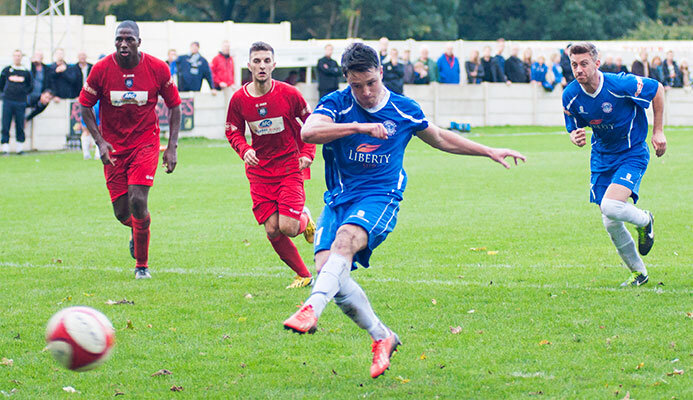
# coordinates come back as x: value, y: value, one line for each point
x: 514, y: 134
x: 222, y: 272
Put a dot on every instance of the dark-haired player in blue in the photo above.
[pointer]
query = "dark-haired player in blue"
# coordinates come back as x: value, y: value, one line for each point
x: 614, y: 107
x: 364, y: 130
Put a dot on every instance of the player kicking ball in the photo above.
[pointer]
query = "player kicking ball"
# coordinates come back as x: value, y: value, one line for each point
x: 614, y: 107
x: 364, y: 130
x: 128, y: 84
x: 278, y: 160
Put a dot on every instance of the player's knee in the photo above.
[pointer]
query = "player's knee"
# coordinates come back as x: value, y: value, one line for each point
x: 349, y: 240
x: 612, y: 208
x: 289, y: 228
x: 138, y: 204
x: 272, y: 231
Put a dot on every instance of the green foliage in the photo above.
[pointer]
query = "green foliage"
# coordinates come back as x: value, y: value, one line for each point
x: 676, y: 12
x: 549, y: 320
x: 652, y: 30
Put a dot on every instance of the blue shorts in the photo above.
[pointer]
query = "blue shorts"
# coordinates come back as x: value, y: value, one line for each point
x: 377, y: 215
x: 626, y: 169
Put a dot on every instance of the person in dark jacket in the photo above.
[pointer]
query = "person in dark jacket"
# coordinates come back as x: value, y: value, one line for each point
x: 39, y: 72
x: 514, y: 68
x: 473, y: 68
x: 641, y: 67
x: 565, y: 65
x: 421, y: 76
x: 671, y: 72
x: 500, y: 73
x: 393, y: 73
x: 491, y: 70
x: 63, y: 79
x: 15, y: 84
x: 38, y: 106
x: 192, y: 70
x: 328, y: 73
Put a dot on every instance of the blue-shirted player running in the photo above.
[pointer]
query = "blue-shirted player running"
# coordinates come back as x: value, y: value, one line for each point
x: 364, y: 130
x: 614, y: 107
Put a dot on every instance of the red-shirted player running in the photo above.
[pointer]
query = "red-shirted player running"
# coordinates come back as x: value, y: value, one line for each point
x: 128, y: 84
x: 278, y: 159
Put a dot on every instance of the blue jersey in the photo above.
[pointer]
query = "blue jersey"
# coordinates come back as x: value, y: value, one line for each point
x: 359, y: 165
x: 615, y: 111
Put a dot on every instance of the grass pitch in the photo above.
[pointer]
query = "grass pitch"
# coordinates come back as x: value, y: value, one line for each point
x: 541, y: 318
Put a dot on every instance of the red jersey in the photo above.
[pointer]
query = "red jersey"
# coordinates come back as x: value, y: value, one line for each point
x: 273, y: 119
x: 128, y: 100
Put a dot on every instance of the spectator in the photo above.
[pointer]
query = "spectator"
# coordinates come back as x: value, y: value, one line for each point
x: 171, y: 61
x: 448, y: 66
x: 685, y: 75
x: 656, y: 71
x: 490, y: 68
x: 40, y: 104
x: 15, y: 84
x: 608, y: 65
x: 473, y: 68
x: 565, y: 65
x: 292, y: 79
x: 328, y: 73
x: 192, y: 70
x: 38, y: 75
x: 408, y: 67
x: 421, y: 76
x: 384, y: 43
x: 527, y: 62
x: 64, y: 80
x: 557, y: 71
x: 671, y: 72
x: 393, y: 73
x: 514, y: 68
x: 429, y: 64
x: 619, y: 67
x: 84, y: 67
x: 641, y: 67
x: 540, y: 74
x: 500, y: 47
x: 222, y: 67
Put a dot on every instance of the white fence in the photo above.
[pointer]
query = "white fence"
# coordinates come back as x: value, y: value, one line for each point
x: 480, y: 105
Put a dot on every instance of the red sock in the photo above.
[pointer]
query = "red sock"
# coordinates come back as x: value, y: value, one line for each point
x: 140, y: 233
x: 289, y: 254
x: 303, y: 222
x: 127, y: 222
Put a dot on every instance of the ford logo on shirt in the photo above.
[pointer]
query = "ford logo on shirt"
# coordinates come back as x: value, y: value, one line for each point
x: 266, y: 123
x: 129, y: 95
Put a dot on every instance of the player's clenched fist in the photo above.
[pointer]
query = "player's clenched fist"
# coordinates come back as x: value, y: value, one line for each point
x: 250, y: 158
x: 375, y: 130
x: 659, y: 142
x: 578, y: 137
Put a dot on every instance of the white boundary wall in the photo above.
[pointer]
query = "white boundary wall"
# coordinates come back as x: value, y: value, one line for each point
x: 480, y: 105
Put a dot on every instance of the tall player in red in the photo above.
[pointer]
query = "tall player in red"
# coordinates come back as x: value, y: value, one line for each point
x: 128, y: 83
x: 278, y: 160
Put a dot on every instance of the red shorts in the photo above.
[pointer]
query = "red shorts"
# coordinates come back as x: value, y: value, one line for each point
x: 286, y: 197
x: 135, y: 168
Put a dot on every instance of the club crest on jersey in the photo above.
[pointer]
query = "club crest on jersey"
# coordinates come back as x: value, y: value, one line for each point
x: 129, y: 82
x: 262, y: 111
x: 607, y: 107
x: 390, y: 127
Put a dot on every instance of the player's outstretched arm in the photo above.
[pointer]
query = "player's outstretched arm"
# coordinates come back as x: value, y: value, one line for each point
x: 321, y: 129
x: 105, y: 148
x: 170, y: 158
x: 453, y: 143
x: 659, y: 141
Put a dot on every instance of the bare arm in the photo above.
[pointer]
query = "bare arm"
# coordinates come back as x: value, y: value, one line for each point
x: 105, y: 148
x: 453, y: 143
x: 170, y: 157
x: 321, y: 129
x: 659, y: 141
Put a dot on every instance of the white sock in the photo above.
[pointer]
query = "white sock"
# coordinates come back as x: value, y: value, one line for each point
x: 624, y: 244
x: 20, y: 147
x: 626, y: 212
x: 5, y: 147
x: 335, y: 271
x: 85, y: 147
x: 353, y: 301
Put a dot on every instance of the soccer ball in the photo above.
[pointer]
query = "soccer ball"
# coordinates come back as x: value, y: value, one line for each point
x: 80, y: 338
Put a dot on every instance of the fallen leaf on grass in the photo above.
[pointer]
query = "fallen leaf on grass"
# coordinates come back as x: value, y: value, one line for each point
x: 149, y: 325
x: 539, y: 393
x: 423, y: 356
x: 56, y: 261
x: 226, y: 337
x: 243, y: 365
x: 402, y: 380
x: 334, y: 372
x: 18, y: 337
x: 492, y: 252
x: 129, y: 325
x: 248, y: 296
x: 455, y: 330
x: 544, y: 342
x: 65, y: 300
x: 246, y: 242
x: 118, y: 393
x: 434, y: 301
x: 689, y: 315
x: 175, y: 388
x: 70, y: 389
x: 642, y: 364
x: 10, y: 393
x: 477, y: 248
x: 16, y: 382
x: 242, y: 319
x: 162, y: 372
x: 8, y: 362
x: 124, y: 301
x: 88, y: 294
x: 675, y: 372
x: 471, y: 311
